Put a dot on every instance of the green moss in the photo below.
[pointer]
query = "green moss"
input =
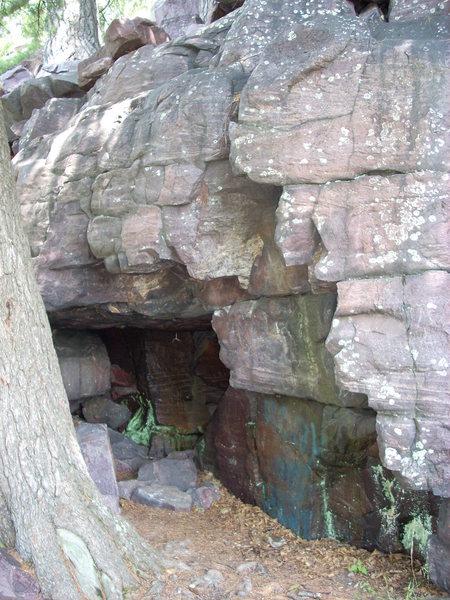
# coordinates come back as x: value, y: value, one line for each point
x: 142, y: 427
x: 142, y: 424
x: 416, y: 533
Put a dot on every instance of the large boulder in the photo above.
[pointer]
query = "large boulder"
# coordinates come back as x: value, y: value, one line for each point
x: 96, y: 449
x: 13, y: 78
x: 254, y: 335
x: 84, y: 363
x: 125, y: 35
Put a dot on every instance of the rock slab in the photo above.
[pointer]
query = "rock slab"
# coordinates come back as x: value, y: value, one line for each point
x: 96, y: 449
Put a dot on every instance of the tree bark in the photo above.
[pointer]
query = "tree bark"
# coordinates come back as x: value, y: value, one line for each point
x: 47, y: 498
x: 73, y: 29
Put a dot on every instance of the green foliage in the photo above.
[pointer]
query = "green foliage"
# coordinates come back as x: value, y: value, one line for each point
x: 358, y: 568
x: 24, y: 23
x: 142, y: 424
x: 9, y: 59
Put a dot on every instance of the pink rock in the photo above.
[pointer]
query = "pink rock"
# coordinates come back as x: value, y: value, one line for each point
x: 360, y: 96
x: 370, y: 226
x: 92, y: 68
x: 120, y: 377
x: 276, y: 346
x: 222, y: 231
x: 126, y: 35
x: 204, y: 496
x: 389, y: 341
x: 13, y: 78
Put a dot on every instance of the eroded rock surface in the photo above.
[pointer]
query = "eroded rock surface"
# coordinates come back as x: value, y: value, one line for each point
x: 256, y: 166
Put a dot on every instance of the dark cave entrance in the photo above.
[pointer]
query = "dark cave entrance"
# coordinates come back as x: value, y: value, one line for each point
x: 176, y: 373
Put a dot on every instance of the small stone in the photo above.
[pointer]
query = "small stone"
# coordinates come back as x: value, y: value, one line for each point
x: 276, y: 542
x: 204, y: 496
x: 104, y: 410
x: 174, y: 472
x: 126, y: 488
x: 213, y: 578
x: 244, y: 588
x: 247, y: 567
x: 162, y: 496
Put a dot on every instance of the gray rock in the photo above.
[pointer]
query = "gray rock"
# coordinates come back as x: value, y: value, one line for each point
x: 248, y: 567
x: 96, y: 449
x: 181, y: 454
x: 127, y: 451
x: 212, y: 580
x: 244, y: 588
x: 177, y: 16
x: 438, y: 550
x: 13, y: 78
x: 84, y: 363
x: 103, y: 410
x: 16, y: 584
x: 174, y: 472
x: 147, y: 472
x: 35, y: 92
x: 179, y: 549
x: 404, y: 10
x: 162, y: 496
x: 126, y: 488
x: 438, y: 560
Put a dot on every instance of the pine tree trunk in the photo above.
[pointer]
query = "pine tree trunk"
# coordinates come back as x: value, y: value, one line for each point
x: 47, y: 498
x: 73, y: 29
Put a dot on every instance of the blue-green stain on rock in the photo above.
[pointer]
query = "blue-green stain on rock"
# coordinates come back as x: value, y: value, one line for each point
x: 289, y: 437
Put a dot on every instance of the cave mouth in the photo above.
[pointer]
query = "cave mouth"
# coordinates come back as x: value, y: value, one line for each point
x: 224, y: 7
x: 362, y: 6
x: 173, y: 376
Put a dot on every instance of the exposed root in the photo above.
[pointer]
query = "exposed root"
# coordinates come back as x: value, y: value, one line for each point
x: 83, y: 550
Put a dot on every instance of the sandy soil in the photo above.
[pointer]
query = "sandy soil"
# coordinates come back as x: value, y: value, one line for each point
x: 234, y: 550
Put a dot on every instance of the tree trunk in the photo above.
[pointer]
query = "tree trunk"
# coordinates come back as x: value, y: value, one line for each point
x: 47, y: 498
x: 73, y: 29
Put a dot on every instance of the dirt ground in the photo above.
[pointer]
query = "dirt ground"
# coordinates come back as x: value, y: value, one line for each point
x: 234, y: 550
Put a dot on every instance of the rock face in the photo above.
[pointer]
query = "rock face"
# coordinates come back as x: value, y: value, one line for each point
x: 286, y: 167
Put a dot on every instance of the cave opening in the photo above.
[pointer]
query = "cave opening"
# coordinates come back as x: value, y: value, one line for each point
x: 362, y: 6
x: 170, y: 379
x: 224, y: 7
